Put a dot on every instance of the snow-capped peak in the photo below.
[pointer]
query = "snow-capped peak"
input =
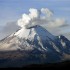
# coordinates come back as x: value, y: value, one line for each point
x: 33, y: 31
x: 35, y: 37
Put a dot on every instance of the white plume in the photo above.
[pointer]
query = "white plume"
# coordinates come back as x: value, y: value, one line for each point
x: 39, y: 17
x: 47, y: 12
x: 34, y: 13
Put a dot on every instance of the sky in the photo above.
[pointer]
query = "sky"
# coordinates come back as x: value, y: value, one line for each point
x: 11, y: 10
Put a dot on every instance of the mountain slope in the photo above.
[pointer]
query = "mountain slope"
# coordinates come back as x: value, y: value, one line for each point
x: 34, y: 37
x: 34, y: 45
x: 24, y: 36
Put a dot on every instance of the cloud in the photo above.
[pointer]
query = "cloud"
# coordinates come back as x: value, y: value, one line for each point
x: 29, y: 18
x: 43, y: 16
x: 8, y: 29
x: 56, y: 23
x: 47, y: 12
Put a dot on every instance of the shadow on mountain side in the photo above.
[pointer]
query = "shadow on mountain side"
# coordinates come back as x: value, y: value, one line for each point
x: 65, y: 64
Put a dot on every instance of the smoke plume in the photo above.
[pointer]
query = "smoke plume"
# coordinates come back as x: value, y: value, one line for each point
x: 40, y: 17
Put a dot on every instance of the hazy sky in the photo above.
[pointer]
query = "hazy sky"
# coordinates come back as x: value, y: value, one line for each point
x: 11, y: 10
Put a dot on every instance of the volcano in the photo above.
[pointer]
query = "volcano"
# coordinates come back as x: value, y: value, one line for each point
x: 33, y: 45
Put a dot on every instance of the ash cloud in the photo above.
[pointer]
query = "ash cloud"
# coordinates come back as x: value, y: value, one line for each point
x: 43, y: 16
